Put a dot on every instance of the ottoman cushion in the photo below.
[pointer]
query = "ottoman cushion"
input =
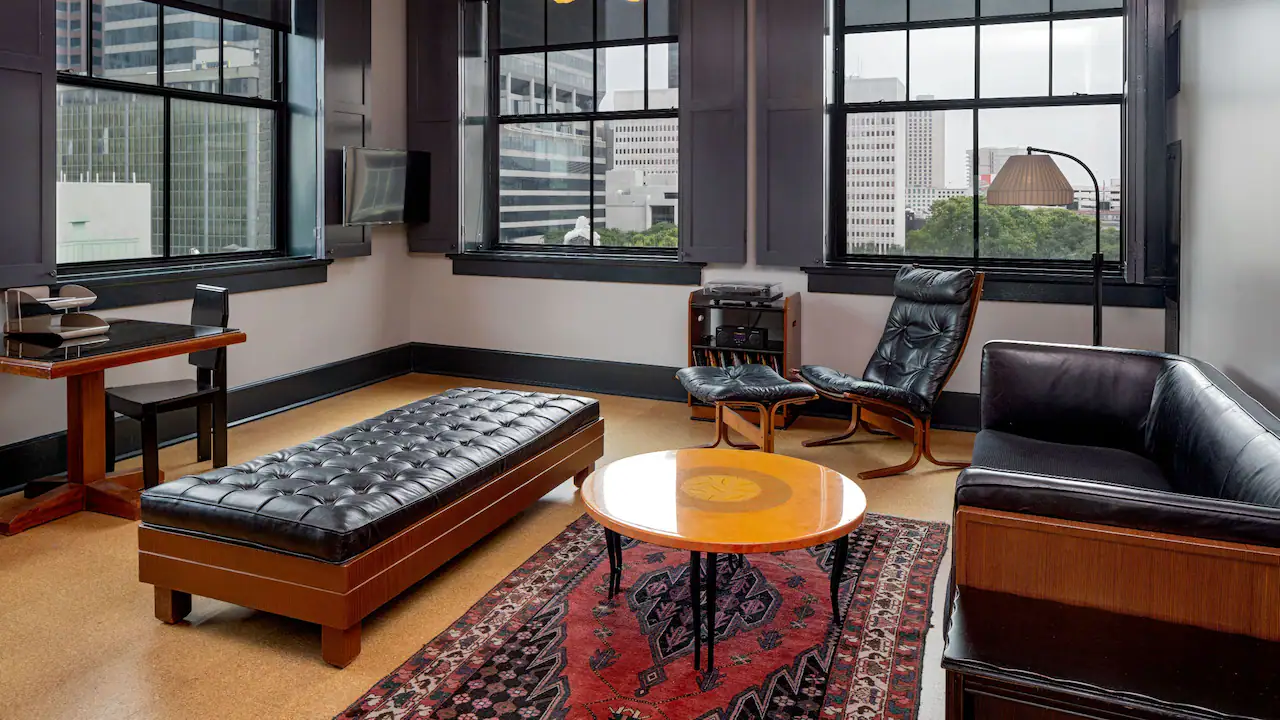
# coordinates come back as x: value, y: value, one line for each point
x: 339, y: 495
x: 743, y: 383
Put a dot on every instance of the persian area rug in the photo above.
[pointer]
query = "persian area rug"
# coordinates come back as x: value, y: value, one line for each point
x: 547, y: 643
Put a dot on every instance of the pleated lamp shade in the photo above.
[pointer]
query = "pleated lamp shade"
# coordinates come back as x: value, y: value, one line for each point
x: 1030, y: 180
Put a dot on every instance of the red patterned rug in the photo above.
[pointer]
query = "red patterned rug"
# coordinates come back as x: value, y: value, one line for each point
x: 546, y: 643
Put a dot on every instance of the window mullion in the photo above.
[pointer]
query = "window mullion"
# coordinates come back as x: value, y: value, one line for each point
x: 167, y: 154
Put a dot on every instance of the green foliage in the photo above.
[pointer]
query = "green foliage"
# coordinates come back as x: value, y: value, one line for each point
x: 661, y: 235
x: 1009, y: 232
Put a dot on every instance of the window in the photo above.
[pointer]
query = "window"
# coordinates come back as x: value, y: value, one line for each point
x: 585, y: 131
x: 938, y: 94
x: 167, y: 143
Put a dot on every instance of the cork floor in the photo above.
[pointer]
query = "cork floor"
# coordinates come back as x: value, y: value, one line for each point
x: 78, y: 638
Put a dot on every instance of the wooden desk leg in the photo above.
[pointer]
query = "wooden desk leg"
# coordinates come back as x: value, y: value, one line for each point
x: 87, y: 486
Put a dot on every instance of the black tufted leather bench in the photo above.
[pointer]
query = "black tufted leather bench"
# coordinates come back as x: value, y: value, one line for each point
x: 328, y: 530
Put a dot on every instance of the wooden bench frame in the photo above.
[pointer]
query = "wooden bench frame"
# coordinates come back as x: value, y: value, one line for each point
x: 339, y: 596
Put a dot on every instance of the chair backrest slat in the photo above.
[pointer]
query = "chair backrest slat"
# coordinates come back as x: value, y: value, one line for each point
x: 211, y: 308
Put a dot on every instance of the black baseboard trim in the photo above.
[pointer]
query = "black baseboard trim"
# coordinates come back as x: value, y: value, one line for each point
x: 654, y: 382
x: 44, y: 456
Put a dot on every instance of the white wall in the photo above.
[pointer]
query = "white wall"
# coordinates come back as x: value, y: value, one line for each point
x: 1228, y: 116
x: 360, y: 309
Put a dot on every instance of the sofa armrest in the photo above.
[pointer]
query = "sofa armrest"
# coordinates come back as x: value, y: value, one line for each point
x: 1118, y: 506
x: 1068, y: 393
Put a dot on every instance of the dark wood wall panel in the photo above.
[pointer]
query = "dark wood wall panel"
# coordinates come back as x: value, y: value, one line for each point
x: 790, y: 117
x: 27, y: 132
x: 713, y: 131
x: 348, y: 60
x: 434, y: 37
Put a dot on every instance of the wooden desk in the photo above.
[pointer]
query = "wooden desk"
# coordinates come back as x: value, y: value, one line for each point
x: 86, y: 485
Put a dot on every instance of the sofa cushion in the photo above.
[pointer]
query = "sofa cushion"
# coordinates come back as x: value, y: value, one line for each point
x: 341, y: 494
x: 995, y: 449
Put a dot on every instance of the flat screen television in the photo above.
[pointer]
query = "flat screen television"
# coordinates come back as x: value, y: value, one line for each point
x: 385, y: 187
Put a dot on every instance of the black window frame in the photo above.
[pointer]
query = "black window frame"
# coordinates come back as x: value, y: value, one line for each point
x: 494, y: 122
x: 277, y: 104
x: 837, y: 255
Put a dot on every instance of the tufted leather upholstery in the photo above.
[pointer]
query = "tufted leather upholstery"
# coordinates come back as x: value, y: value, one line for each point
x: 921, y: 342
x: 749, y: 383
x: 338, y: 495
x: 1216, y: 450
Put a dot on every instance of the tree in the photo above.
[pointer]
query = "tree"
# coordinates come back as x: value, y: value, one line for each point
x: 1009, y: 232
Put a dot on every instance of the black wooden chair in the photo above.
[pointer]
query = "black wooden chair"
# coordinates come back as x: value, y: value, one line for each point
x: 207, y: 393
x: 923, y: 341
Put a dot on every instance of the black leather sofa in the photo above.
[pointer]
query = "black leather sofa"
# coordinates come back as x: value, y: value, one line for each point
x: 328, y: 530
x: 1134, y: 482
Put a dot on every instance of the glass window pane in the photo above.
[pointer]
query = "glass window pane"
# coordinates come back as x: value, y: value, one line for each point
x: 570, y: 22
x: 1068, y: 5
x: 1091, y: 133
x: 875, y: 182
x: 545, y: 184
x: 129, y: 45
x: 570, y: 73
x: 110, y: 175
x: 249, y: 55
x: 190, y: 51
x: 875, y: 66
x: 76, y: 40
x: 622, y: 78
x: 874, y: 12
x: 223, y: 184
x: 1088, y: 56
x: 1013, y: 7
x: 522, y: 23
x: 618, y: 19
x: 939, y: 198
x: 941, y: 9
x: 1015, y: 60
x: 642, y: 183
x: 475, y: 111
x: 942, y: 63
x: 522, y: 86
x: 664, y: 17
x: 664, y: 76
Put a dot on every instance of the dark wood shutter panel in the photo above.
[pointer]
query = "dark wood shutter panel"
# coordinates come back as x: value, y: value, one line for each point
x: 790, y: 202
x: 713, y: 131
x: 28, y: 251
x: 433, y: 52
x: 348, y: 58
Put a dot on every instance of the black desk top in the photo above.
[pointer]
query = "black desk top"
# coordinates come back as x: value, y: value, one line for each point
x: 123, y: 336
x: 1179, y: 669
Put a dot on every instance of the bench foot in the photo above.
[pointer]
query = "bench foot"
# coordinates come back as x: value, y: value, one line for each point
x: 172, y: 607
x: 339, y: 647
x: 581, y: 477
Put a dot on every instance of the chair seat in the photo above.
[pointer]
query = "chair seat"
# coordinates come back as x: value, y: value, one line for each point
x: 174, y: 394
x: 742, y: 383
x: 834, y: 382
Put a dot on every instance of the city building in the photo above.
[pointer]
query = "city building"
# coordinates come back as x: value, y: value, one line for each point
x: 875, y: 176
x: 989, y: 162
x: 642, y: 186
x: 926, y: 140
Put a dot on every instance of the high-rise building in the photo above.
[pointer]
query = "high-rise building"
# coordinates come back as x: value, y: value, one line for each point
x: 642, y: 184
x: 926, y: 138
x: 875, y: 165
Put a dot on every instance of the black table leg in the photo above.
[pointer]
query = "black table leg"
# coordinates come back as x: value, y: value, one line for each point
x: 613, y: 545
x: 695, y: 595
x: 837, y: 574
x: 711, y: 611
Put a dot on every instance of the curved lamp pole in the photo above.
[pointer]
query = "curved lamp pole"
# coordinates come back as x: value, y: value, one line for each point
x: 1036, y: 180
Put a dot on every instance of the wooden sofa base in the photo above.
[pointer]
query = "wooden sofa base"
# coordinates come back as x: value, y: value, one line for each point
x: 338, y: 597
x: 1229, y: 587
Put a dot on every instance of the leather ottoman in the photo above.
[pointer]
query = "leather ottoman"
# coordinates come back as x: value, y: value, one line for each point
x: 744, y: 387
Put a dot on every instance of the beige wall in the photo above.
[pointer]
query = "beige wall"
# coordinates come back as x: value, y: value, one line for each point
x: 1227, y: 116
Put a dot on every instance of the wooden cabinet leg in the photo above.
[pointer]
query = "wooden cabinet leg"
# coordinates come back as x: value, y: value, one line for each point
x: 955, y: 697
x: 581, y: 477
x: 172, y: 606
x: 339, y: 647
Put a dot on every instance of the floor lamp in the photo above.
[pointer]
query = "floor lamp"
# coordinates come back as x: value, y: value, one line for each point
x: 1036, y: 180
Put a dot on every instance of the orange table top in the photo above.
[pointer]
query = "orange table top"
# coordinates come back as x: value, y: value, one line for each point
x: 732, y: 501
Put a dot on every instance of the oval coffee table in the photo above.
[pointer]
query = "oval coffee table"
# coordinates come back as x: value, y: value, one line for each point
x: 723, y: 501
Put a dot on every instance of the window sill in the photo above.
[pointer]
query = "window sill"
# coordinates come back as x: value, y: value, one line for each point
x: 1063, y: 287
x: 120, y: 288
x: 650, y: 270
